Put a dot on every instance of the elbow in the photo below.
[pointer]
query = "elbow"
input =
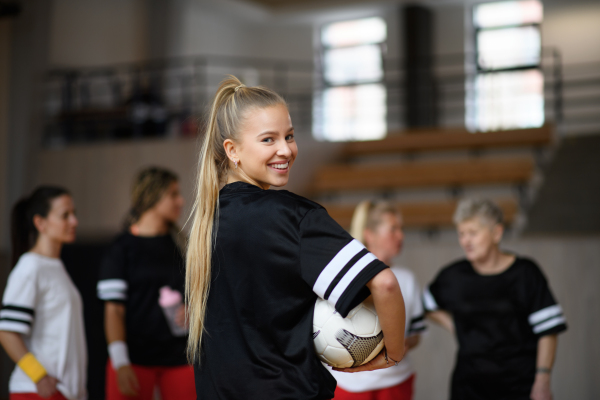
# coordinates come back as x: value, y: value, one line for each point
x: 384, y: 283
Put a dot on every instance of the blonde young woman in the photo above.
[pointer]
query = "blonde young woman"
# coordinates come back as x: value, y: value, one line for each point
x: 258, y: 259
x: 142, y: 273
x: 378, y: 225
x: 41, y: 321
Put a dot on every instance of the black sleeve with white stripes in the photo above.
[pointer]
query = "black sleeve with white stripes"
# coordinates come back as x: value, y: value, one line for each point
x: 112, y: 285
x: 336, y: 266
x: 18, y: 304
x: 545, y: 315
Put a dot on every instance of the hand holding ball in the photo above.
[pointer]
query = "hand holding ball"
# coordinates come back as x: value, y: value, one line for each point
x: 346, y: 342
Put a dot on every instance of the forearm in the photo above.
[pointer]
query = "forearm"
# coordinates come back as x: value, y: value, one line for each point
x: 114, y: 322
x: 546, y: 351
x: 442, y: 318
x: 545, y: 360
x: 389, y: 304
x: 13, y: 345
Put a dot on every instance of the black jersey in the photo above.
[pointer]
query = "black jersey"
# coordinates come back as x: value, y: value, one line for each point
x: 498, y: 320
x: 132, y: 273
x: 275, y: 253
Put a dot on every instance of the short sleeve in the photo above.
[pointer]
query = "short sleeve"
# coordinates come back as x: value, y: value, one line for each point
x: 18, y: 303
x: 112, y: 285
x: 545, y: 314
x: 417, y: 315
x: 432, y: 298
x: 334, y: 264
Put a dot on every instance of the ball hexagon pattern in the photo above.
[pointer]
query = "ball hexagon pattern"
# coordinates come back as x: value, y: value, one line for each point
x: 346, y: 342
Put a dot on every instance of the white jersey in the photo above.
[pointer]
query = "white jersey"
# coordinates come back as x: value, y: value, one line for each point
x: 42, y: 303
x: 415, y: 324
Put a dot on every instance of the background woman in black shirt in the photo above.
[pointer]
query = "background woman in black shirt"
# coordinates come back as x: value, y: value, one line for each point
x: 142, y: 282
x: 501, y: 309
x: 266, y: 255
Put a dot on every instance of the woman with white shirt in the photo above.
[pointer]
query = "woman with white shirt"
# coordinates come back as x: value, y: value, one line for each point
x: 378, y: 225
x: 41, y: 320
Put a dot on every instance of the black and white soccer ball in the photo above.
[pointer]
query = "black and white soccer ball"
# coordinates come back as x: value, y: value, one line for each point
x: 346, y: 342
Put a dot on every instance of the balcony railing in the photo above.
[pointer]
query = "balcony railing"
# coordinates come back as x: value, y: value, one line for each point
x: 167, y: 98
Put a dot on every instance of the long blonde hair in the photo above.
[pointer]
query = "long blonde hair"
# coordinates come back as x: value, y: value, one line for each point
x: 367, y: 215
x: 230, y: 106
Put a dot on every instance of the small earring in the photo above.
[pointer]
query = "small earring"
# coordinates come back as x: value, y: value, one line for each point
x: 235, y: 162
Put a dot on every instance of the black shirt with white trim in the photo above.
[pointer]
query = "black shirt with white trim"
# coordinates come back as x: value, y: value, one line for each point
x: 132, y: 273
x: 275, y: 252
x: 498, y: 321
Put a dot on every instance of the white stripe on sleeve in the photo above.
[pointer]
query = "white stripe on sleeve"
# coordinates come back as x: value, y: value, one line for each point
x: 112, y: 296
x: 429, y: 301
x: 334, y: 267
x: 23, y: 316
x: 112, y: 285
x: 343, y: 284
x: 551, y: 323
x: 13, y: 326
x: 544, y: 314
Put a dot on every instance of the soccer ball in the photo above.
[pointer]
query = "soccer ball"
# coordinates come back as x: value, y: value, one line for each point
x: 346, y: 342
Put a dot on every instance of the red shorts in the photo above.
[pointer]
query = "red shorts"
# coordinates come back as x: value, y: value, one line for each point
x: 34, y: 396
x: 403, y: 391
x: 174, y: 383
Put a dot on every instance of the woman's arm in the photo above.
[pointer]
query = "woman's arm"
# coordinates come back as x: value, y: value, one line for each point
x: 442, y: 318
x: 114, y: 327
x: 412, y: 341
x: 389, y: 304
x: 545, y: 360
x: 15, y: 348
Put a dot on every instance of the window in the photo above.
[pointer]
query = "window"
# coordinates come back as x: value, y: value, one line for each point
x: 508, y: 88
x: 352, y: 104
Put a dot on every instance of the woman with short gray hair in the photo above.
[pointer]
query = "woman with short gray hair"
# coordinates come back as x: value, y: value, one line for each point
x: 501, y: 309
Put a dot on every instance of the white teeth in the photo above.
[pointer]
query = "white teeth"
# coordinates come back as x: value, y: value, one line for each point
x: 280, y: 166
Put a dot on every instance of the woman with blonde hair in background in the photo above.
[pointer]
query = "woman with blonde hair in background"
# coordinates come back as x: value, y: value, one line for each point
x: 142, y: 284
x: 378, y: 225
x: 41, y: 321
x: 258, y: 259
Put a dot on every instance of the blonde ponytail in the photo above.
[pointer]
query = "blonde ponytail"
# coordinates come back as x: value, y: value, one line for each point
x: 229, y: 107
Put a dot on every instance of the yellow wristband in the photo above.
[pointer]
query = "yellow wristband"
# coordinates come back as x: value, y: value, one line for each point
x: 32, y: 367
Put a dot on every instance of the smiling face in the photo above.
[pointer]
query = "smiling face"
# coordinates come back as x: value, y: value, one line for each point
x: 479, y: 238
x: 60, y: 224
x: 265, y: 148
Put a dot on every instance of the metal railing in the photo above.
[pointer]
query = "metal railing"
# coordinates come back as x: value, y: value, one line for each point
x: 167, y: 98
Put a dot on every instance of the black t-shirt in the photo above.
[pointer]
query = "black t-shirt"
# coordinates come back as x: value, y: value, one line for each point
x: 132, y: 273
x: 498, y: 320
x: 275, y: 253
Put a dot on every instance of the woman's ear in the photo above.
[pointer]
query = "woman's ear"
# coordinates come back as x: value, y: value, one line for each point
x: 497, y: 232
x: 231, y: 150
x: 39, y: 222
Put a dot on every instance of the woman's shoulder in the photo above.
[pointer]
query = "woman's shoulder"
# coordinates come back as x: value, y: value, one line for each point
x: 290, y: 199
x: 29, y: 263
x: 527, y: 267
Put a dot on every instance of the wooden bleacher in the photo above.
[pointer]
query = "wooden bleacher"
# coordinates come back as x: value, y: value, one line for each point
x: 349, y: 177
x: 422, y: 214
x: 351, y: 174
x: 449, y: 139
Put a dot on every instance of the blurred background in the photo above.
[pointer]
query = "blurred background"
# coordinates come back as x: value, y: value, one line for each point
x: 422, y: 103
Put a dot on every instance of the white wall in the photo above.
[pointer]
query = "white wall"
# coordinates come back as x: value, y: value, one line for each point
x: 92, y: 33
x: 574, y: 29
